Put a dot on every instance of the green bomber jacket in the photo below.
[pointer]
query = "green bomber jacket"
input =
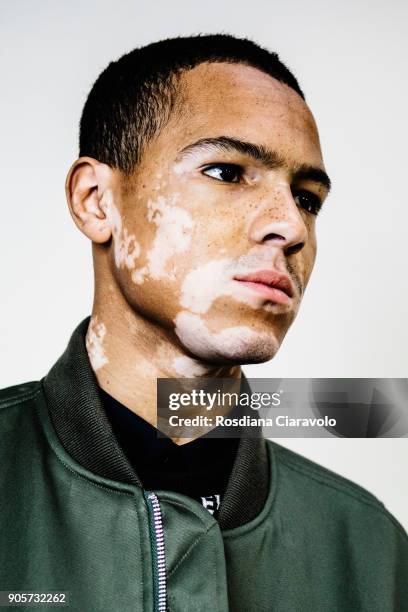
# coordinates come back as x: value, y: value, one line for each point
x: 291, y: 536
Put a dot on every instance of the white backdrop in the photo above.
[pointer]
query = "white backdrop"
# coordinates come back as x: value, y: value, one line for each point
x: 350, y: 60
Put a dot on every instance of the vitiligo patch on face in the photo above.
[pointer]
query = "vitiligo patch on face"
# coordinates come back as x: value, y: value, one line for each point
x: 203, y: 285
x: 125, y: 246
x: 94, y: 343
x: 173, y: 234
x: 231, y: 343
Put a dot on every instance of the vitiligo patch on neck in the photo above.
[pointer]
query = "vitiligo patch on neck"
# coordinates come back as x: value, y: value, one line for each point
x: 188, y: 367
x: 94, y: 343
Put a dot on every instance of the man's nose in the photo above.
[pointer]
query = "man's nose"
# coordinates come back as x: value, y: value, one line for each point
x: 279, y: 222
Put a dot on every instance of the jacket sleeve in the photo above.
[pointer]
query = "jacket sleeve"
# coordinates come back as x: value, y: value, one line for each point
x: 401, y: 569
x: 389, y: 564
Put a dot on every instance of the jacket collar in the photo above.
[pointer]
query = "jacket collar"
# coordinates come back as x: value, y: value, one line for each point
x: 77, y: 413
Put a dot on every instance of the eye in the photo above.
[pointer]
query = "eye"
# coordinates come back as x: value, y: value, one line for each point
x: 308, y: 201
x: 227, y: 173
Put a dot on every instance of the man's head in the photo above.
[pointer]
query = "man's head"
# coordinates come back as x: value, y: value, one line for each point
x: 199, y: 182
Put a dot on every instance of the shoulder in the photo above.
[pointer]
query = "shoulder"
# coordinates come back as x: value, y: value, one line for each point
x: 328, y: 495
x: 18, y: 395
x: 19, y: 423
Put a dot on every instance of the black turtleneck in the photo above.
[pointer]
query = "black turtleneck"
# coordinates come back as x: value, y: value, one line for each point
x: 199, y: 469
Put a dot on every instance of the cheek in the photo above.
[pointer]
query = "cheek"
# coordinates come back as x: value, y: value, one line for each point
x: 173, y: 234
x: 310, y: 255
x: 305, y: 259
x: 147, y: 248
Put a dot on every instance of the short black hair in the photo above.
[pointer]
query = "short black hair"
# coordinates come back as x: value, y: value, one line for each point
x: 133, y: 97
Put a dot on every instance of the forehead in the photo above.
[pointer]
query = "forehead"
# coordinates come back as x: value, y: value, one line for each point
x: 245, y: 103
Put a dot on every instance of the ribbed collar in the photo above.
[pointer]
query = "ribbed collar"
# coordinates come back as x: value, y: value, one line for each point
x: 77, y: 413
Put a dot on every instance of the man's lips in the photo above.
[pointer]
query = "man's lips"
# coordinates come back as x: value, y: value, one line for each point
x: 271, y: 284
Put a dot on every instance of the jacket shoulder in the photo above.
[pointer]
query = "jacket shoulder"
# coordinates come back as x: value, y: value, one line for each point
x: 339, y: 494
x: 18, y: 394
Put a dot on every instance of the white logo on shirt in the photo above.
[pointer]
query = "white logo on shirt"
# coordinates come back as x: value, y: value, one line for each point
x: 211, y: 503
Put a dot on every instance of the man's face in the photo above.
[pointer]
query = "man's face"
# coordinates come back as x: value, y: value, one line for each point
x: 214, y: 238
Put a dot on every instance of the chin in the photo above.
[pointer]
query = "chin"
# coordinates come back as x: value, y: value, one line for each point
x: 230, y: 346
x: 257, y: 351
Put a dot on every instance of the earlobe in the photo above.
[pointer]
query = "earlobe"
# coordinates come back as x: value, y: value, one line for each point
x: 83, y: 192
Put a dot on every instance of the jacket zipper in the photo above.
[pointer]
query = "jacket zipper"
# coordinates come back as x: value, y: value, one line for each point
x: 159, y: 556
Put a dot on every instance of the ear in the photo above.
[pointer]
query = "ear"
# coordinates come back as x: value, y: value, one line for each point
x: 84, y: 188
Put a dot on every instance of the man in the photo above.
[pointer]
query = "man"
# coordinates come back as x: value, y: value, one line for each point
x: 199, y: 181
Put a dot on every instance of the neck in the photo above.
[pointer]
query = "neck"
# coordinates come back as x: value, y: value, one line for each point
x: 128, y: 353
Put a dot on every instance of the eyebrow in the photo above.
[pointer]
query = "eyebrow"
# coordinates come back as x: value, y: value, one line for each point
x: 260, y: 153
